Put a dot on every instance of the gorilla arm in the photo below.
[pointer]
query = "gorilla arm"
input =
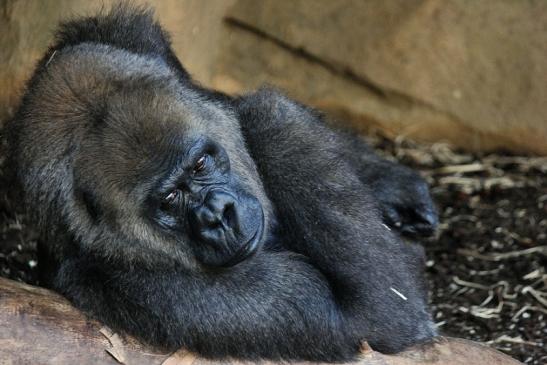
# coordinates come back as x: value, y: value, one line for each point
x: 274, y: 306
x: 327, y: 214
x: 402, y: 194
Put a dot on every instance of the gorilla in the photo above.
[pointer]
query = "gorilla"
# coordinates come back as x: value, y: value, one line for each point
x: 233, y: 226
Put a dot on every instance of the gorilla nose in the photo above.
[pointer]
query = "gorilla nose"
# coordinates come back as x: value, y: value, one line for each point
x: 226, y: 228
x: 217, y: 211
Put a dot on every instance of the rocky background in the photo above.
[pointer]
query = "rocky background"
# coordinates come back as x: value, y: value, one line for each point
x: 468, y: 72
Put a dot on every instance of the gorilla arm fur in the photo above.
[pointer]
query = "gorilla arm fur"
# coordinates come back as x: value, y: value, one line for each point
x: 275, y: 306
x: 327, y: 213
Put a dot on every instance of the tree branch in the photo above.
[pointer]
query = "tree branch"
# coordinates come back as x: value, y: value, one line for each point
x: 38, y: 326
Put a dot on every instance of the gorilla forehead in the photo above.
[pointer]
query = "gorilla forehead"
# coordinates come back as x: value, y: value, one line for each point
x: 134, y: 109
x: 135, y: 91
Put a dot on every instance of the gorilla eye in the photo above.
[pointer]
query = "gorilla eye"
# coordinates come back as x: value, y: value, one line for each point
x: 171, y: 197
x: 200, y: 164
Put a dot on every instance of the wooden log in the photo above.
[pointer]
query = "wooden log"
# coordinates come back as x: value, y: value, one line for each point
x: 38, y: 326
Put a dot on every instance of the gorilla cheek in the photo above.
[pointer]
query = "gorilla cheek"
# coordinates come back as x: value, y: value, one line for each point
x: 227, y: 228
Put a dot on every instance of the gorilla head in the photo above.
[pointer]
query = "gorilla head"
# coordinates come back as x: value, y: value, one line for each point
x: 142, y: 165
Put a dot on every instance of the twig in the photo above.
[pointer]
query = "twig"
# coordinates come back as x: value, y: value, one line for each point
x: 527, y: 308
x: 502, y: 256
x: 470, y: 284
x: 538, y: 295
x: 461, y: 169
x: 517, y: 340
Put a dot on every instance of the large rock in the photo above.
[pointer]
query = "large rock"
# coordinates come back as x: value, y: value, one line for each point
x: 472, y: 72
x: 27, y: 27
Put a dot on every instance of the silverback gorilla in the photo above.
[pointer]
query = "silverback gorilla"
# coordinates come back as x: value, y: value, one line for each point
x: 232, y: 226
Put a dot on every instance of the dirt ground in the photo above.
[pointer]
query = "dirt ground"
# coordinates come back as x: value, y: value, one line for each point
x: 487, y: 266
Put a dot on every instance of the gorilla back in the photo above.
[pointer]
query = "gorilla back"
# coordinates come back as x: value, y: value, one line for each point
x: 160, y: 218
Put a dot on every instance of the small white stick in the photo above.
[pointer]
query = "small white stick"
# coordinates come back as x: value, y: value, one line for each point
x: 50, y: 58
x: 398, y: 293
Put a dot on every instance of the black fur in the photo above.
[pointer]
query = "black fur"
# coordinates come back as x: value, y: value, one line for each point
x: 403, y: 195
x: 110, y: 116
x: 134, y: 31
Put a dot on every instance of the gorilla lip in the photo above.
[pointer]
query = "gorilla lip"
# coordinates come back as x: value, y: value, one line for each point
x: 249, y: 248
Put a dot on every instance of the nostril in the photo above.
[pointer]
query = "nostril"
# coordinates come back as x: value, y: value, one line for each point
x: 222, y: 205
x: 211, y: 220
x: 229, y: 215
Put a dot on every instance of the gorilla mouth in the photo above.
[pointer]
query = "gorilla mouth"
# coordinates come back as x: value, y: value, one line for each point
x: 249, y: 248
x: 226, y: 228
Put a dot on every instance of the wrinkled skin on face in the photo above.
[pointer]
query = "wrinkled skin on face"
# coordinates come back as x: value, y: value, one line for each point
x: 200, y: 196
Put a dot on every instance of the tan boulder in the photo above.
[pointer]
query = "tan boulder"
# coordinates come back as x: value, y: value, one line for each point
x: 468, y: 72
x: 472, y: 72
x: 27, y: 28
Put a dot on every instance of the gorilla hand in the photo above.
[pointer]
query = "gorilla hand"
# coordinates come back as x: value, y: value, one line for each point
x: 404, y: 198
x: 402, y: 193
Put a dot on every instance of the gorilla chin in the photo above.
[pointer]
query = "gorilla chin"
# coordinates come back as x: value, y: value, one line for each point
x: 226, y: 228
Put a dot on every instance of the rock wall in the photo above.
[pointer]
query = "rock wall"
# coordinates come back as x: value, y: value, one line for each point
x: 471, y: 72
x: 468, y: 72
x: 27, y: 27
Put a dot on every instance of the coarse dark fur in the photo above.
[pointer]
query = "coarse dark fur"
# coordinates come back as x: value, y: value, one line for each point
x: 111, y: 125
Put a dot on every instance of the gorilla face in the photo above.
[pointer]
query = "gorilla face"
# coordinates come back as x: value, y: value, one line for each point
x: 201, y: 196
x: 169, y: 158
x: 156, y: 170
